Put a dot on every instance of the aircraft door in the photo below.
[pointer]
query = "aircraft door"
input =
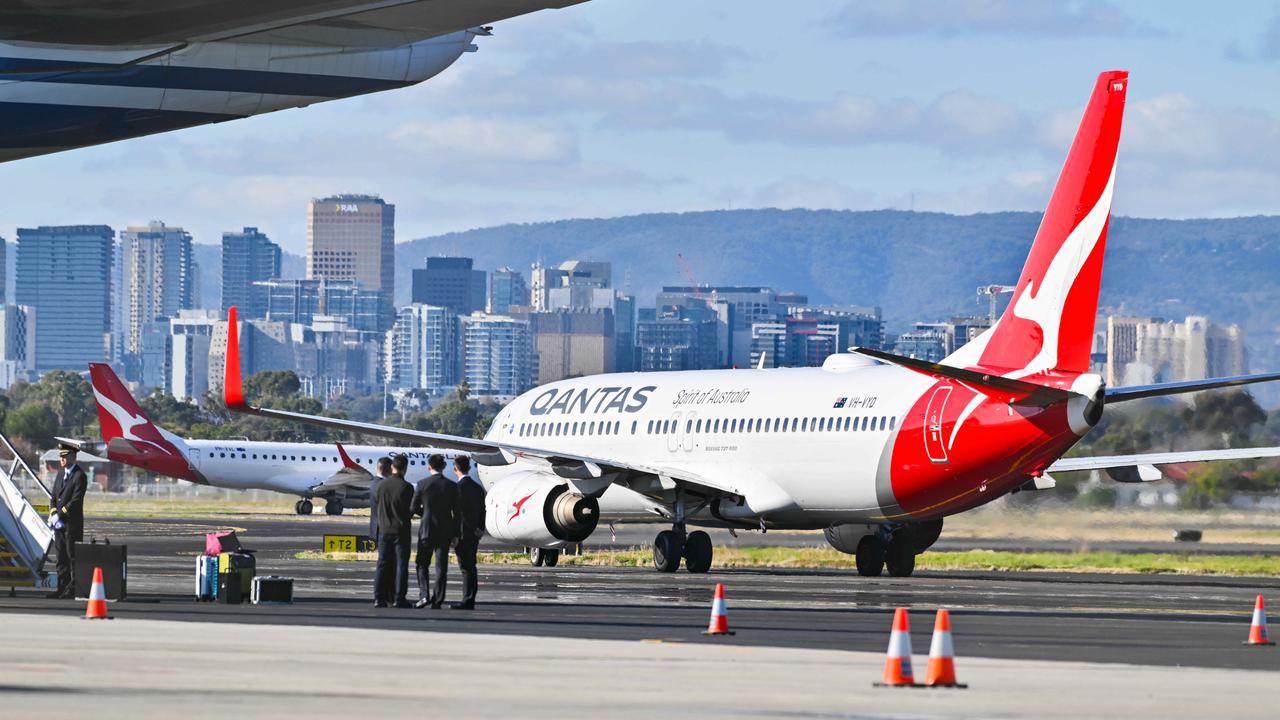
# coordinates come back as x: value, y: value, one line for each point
x: 675, y: 433
x: 686, y: 432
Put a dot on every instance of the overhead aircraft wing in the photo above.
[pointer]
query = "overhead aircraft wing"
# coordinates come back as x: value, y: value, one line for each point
x: 590, y: 475
x: 359, y: 23
x: 1142, y: 467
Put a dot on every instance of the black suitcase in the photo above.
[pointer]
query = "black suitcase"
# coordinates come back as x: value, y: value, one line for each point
x: 272, y: 589
x: 229, y: 588
x: 114, y: 561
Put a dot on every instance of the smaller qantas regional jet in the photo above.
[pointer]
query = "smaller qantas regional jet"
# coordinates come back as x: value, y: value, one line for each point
x: 872, y: 448
x: 336, y: 474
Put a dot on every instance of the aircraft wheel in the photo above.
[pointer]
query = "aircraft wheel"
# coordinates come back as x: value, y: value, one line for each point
x: 333, y: 507
x: 901, y: 557
x: 870, y: 556
x: 553, y: 557
x: 537, y: 557
x: 697, y: 552
x: 302, y: 507
x: 667, y: 550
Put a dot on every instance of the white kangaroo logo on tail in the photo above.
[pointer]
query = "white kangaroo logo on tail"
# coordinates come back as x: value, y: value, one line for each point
x: 127, y: 420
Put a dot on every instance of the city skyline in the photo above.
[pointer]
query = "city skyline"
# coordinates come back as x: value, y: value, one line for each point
x: 861, y: 119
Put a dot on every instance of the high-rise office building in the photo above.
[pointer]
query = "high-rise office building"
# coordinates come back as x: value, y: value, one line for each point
x: 190, y: 339
x: 64, y: 272
x: 158, y: 275
x: 684, y: 341
x: 572, y: 343
x: 301, y: 301
x: 422, y: 349
x: 808, y: 335
x: 507, y: 289
x: 352, y: 237
x: 4, y: 270
x: 578, y: 284
x: 497, y: 355
x: 17, y: 343
x: 1146, y: 350
x: 452, y: 283
x: 247, y: 257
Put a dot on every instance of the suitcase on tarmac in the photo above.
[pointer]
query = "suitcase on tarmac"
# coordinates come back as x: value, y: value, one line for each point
x: 272, y: 589
x: 241, y: 563
x: 229, y: 588
x: 114, y: 561
x: 216, y: 543
x: 206, y: 578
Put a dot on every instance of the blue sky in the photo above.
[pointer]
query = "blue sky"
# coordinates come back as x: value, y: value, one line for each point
x: 616, y: 107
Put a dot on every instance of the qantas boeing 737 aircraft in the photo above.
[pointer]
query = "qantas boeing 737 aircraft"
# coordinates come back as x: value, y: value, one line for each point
x: 873, y: 448
x: 336, y: 474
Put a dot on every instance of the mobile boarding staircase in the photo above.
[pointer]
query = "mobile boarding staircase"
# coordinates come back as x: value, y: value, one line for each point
x: 25, y: 538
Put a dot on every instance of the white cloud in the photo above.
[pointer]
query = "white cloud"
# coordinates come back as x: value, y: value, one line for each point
x: 487, y: 139
x: 1014, y: 18
x: 1264, y: 48
x: 813, y: 193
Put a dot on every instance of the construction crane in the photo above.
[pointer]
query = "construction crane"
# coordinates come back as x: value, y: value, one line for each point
x: 688, y: 273
x: 993, y: 293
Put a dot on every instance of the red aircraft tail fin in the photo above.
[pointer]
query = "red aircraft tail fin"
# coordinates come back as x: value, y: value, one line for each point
x: 1049, y: 322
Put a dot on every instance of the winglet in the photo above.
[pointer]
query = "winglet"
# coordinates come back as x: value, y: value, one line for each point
x: 232, y: 389
x: 346, y: 459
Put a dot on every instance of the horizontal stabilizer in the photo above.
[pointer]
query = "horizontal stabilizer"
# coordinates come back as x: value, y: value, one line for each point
x: 1142, y: 467
x: 1015, y: 392
x: 1136, y: 392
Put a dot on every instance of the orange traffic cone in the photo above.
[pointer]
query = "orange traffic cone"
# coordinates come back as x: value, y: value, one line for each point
x: 942, y: 663
x: 97, y: 607
x: 897, y: 664
x: 719, y: 618
x: 1258, y: 628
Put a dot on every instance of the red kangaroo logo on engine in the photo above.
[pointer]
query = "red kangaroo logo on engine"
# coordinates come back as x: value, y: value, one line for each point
x: 515, y: 506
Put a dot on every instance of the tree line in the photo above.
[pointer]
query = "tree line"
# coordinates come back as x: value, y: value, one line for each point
x: 61, y: 404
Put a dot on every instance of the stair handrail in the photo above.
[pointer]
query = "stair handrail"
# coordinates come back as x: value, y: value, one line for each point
x: 20, y: 524
x: 19, y: 462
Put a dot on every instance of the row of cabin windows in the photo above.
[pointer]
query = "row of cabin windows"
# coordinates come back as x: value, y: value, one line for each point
x: 847, y: 423
x: 593, y: 427
x: 296, y: 458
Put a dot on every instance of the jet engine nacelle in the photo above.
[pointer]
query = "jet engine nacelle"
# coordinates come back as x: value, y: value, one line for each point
x: 538, y: 510
x: 845, y: 538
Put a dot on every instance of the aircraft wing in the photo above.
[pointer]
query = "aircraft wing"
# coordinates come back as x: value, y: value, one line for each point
x: 590, y: 475
x: 359, y: 23
x: 1142, y: 467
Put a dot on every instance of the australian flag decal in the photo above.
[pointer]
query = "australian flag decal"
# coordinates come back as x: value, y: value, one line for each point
x: 840, y: 402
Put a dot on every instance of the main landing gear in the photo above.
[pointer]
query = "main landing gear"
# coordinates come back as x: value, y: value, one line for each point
x: 302, y: 507
x: 540, y: 557
x: 670, y: 546
x: 333, y: 506
x: 895, y: 548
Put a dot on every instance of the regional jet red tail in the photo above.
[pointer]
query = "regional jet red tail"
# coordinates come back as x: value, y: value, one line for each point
x: 128, y: 433
x: 1048, y: 325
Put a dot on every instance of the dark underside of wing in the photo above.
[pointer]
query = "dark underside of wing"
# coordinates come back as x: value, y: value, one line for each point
x: 148, y: 22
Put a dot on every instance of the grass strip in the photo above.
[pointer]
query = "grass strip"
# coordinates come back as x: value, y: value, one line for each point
x: 822, y: 558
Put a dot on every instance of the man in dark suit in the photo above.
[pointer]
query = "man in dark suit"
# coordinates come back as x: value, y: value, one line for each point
x: 395, y: 521
x: 384, y: 470
x: 470, y: 529
x: 66, y: 512
x: 436, y: 500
